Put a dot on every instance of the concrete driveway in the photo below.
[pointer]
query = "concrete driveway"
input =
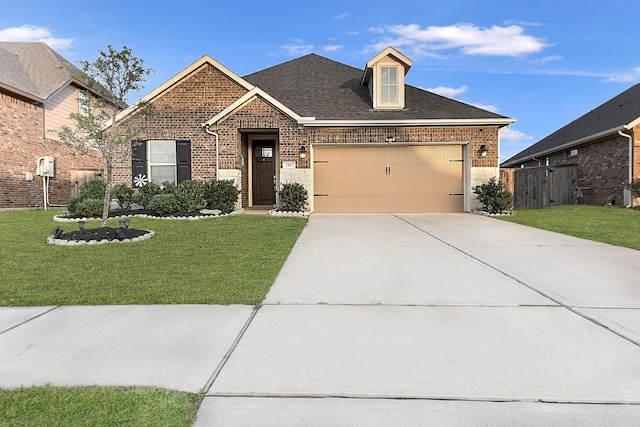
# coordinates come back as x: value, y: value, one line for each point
x: 439, y: 319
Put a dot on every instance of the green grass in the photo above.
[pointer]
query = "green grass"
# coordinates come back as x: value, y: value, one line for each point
x: 97, y: 406
x: 616, y: 226
x: 227, y: 260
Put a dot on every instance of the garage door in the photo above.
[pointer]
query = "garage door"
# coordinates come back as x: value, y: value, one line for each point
x: 414, y: 178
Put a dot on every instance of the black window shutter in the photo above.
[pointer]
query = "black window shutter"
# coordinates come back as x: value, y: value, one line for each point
x: 183, y: 160
x: 138, y: 160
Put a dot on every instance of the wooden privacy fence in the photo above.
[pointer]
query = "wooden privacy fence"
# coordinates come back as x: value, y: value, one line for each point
x: 543, y: 186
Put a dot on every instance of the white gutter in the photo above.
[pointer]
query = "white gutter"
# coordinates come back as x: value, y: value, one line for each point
x: 205, y: 126
x: 567, y: 145
x: 310, y: 122
x: 630, y: 138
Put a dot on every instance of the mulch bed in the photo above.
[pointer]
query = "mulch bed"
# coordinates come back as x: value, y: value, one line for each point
x: 105, y: 233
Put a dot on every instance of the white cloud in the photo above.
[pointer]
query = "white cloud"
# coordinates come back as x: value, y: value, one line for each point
x: 333, y: 47
x: 450, y: 92
x: 547, y: 59
x: 341, y: 16
x: 297, y: 49
x: 488, y: 107
x: 508, y: 134
x: 468, y: 38
x: 352, y: 33
x: 629, y: 76
x: 32, y: 33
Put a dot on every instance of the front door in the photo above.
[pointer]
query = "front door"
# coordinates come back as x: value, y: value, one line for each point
x: 264, y: 172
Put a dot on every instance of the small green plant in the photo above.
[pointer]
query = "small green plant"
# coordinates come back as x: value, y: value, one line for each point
x: 635, y: 188
x: 123, y: 194
x: 293, y: 197
x: 221, y: 195
x: 190, y: 195
x: 146, y: 192
x: 93, y: 189
x: 164, y: 204
x: 89, y: 208
x: 494, y: 196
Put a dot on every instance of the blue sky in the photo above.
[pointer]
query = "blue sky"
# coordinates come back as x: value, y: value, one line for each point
x: 543, y: 63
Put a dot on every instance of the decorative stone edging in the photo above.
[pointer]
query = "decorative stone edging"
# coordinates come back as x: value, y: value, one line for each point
x: 300, y: 214
x: 62, y: 218
x: 63, y: 242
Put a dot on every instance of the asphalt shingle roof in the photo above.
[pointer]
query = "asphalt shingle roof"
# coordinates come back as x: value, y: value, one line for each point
x: 315, y: 86
x: 34, y: 68
x: 616, y: 112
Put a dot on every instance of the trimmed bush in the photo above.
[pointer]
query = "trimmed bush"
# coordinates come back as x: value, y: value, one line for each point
x: 93, y: 189
x: 221, y: 195
x: 72, y: 205
x: 90, y: 208
x: 190, y: 195
x: 293, y: 197
x: 146, y: 192
x: 124, y: 194
x: 163, y: 204
x: 494, y: 196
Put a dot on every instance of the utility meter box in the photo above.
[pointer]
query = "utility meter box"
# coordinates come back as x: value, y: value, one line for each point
x: 46, y: 166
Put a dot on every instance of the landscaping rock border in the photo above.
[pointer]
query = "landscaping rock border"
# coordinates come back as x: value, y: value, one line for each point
x: 62, y: 218
x: 299, y: 214
x: 63, y: 242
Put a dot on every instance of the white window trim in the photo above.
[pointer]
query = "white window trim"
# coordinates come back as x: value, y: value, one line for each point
x: 378, y: 103
x: 149, y: 163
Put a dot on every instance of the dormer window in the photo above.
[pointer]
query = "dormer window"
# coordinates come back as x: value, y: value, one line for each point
x: 389, y: 85
x: 384, y: 75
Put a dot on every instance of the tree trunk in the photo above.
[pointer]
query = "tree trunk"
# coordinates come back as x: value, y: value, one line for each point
x: 107, y: 195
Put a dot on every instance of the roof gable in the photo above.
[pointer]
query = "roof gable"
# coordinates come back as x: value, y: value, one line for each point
x: 618, y: 113
x: 35, y: 69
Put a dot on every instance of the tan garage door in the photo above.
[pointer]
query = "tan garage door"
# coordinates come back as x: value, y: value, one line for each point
x: 414, y: 178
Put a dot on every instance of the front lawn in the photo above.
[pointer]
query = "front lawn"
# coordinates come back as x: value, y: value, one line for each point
x: 97, y: 406
x: 616, y: 226
x: 226, y: 260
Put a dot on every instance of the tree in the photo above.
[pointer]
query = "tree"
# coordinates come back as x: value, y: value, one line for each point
x: 109, y: 81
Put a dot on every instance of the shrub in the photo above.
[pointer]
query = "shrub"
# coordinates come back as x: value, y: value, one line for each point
x: 167, y: 187
x: 124, y: 194
x: 164, y: 204
x: 190, y: 195
x: 146, y: 192
x: 494, y: 196
x: 293, y: 197
x: 90, y: 208
x: 221, y: 195
x: 72, y: 205
x: 93, y: 189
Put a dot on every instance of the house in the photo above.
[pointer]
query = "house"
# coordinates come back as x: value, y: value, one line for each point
x: 359, y: 140
x: 38, y: 91
x: 602, y: 145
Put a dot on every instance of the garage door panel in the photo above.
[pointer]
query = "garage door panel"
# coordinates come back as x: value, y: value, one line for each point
x: 388, y: 179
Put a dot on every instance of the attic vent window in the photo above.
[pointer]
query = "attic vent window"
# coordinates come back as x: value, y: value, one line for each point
x: 389, y: 84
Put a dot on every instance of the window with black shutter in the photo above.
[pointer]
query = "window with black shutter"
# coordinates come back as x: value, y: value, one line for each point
x: 160, y: 161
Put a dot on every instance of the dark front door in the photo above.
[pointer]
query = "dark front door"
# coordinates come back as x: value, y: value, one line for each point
x: 264, y: 172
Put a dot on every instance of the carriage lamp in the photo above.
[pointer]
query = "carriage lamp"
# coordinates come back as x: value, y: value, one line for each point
x: 303, y: 152
x: 483, y: 150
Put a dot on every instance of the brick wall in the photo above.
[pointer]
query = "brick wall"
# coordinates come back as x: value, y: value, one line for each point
x: 21, y: 143
x: 602, y: 168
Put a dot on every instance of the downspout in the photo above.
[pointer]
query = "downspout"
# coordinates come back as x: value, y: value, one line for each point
x: 206, y: 129
x: 630, y: 138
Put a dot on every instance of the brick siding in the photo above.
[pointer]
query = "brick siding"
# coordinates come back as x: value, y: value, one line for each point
x: 21, y: 143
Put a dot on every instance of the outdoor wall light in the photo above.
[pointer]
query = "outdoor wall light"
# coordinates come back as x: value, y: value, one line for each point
x: 483, y: 150
x: 303, y: 152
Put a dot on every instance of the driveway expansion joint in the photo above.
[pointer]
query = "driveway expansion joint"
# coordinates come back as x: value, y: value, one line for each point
x: 521, y: 282
x: 30, y: 319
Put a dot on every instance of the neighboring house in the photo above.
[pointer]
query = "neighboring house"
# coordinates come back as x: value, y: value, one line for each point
x: 358, y: 140
x: 38, y: 91
x: 602, y: 145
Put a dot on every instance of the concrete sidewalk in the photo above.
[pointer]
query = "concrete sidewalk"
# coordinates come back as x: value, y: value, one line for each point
x: 416, y: 319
